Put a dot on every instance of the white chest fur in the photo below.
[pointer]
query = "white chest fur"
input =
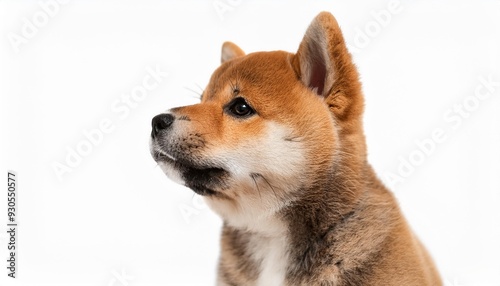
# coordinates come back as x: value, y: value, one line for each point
x: 271, y: 252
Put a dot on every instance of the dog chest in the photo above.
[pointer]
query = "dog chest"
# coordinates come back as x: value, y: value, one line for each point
x: 270, y: 254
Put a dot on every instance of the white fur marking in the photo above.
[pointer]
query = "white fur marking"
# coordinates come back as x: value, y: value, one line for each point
x: 271, y: 252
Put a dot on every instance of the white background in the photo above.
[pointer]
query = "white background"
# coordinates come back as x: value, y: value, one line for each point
x: 115, y: 219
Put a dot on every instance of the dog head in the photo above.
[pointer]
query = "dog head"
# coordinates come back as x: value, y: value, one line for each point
x: 269, y: 126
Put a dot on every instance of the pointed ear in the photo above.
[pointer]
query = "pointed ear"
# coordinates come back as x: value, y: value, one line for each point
x: 230, y: 51
x: 325, y: 66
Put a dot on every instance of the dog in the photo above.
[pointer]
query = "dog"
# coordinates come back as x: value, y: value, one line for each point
x: 277, y: 149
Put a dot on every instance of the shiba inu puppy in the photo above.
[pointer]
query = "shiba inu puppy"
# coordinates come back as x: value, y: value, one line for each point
x: 277, y: 149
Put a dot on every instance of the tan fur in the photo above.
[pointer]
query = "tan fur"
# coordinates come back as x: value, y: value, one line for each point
x: 300, y: 203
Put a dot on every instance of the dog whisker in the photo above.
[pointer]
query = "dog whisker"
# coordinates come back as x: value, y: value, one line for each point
x: 256, y: 185
x: 195, y: 92
x: 256, y: 175
x: 202, y: 90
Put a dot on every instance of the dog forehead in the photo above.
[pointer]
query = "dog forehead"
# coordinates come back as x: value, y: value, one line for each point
x: 269, y: 71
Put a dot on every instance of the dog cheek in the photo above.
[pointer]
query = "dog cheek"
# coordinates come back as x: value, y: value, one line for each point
x: 270, y: 155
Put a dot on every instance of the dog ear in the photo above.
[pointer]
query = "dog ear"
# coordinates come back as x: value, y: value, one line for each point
x: 230, y: 51
x: 325, y: 66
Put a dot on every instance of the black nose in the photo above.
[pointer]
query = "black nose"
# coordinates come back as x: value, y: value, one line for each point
x: 161, y: 122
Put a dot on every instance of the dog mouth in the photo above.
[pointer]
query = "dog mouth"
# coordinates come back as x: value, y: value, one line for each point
x: 203, y: 179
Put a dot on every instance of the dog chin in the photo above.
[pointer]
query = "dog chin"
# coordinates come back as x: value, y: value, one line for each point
x: 203, y: 180
x: 172, y: 173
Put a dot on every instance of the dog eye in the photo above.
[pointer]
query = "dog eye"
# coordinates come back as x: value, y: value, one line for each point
x: 240, y: 108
